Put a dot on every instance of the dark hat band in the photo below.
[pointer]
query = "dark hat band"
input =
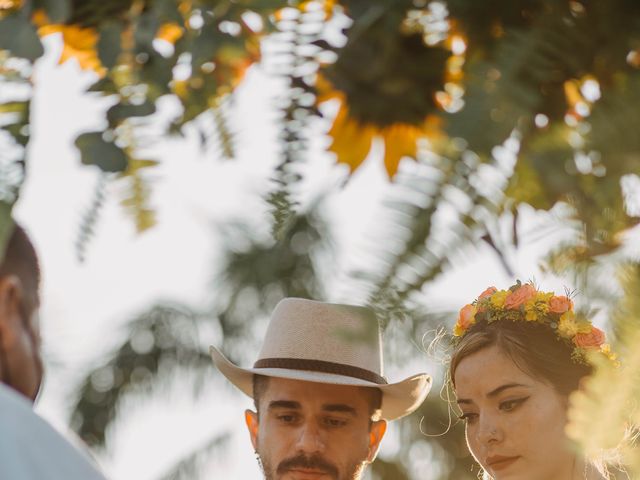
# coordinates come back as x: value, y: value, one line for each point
x: 321, y: 366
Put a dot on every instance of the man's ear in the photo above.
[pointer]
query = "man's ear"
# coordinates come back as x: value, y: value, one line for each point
x: 253, y: 424
x: 377, y: 431
x: 11, y: 295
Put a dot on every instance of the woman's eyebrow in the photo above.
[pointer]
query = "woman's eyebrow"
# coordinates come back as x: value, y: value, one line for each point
x: 494, y: 392
x: 502, y: 388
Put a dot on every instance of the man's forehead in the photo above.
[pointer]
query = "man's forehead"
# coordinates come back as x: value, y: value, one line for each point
x: 315, y: 393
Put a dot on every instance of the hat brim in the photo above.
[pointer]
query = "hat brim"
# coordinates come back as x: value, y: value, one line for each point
x: 398, y: 399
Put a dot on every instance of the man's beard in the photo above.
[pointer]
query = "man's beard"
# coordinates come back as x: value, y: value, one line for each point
x: 316, y: 462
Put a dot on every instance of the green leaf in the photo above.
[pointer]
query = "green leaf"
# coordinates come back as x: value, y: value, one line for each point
x: 167, y: 11
x: 14, y: 107
x: 95, y: 150
x: 145, y: 32
x: 204, y: 46
x: 58, y: 11
x: 120, y: 112
x: 105, y: 86
x: 109, y: 44
x: 6, y: 225
x: 19, y: 36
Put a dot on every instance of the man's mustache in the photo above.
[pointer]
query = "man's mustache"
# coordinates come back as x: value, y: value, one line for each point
x: 315, y: 462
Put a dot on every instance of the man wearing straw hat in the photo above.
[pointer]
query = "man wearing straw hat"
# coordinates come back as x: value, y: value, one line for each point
x: 322, y: 401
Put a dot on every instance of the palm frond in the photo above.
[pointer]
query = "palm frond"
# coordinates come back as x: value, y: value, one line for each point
x: 433, y: 237
x: 295, y: 62
x: 91, y: 217
x: 14, y: 136
x: 137, y: 196
x: 157, y: 343
x: 259, y: 274
x: 190, y: 467
x: 223, y: 131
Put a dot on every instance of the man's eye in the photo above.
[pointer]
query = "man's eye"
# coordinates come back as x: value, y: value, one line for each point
x: 287, y: 418
x: 510, y: 405
x: 335, y: 422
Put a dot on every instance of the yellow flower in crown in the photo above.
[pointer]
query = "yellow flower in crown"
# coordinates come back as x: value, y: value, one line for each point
x: 525, y: 303
x: 531, y: 315
x: 568, y: 325
x: 497, y: 299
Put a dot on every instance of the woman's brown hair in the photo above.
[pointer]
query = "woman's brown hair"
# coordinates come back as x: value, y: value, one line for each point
x: 534, y: 348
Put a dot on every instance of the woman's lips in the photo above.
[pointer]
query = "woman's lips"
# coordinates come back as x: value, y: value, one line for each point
x: 499, y: 462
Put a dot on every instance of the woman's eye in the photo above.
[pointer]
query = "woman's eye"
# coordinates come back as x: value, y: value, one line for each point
x: 468, y: 417
x: 510, y: 405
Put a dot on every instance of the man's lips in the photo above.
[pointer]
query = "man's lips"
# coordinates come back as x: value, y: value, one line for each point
x: 498, y: 462
x: 309, y: 473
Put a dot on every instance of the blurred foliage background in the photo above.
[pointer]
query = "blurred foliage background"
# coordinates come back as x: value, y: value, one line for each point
x: 482, y: 108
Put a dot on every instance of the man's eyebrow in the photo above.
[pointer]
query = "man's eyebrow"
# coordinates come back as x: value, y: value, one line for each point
x: 493, y: 393
x: 284, y: 404
x: 339, y: 407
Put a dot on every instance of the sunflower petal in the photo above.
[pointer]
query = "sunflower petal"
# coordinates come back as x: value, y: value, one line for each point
x: 351, y: 140
x: 399, y: 142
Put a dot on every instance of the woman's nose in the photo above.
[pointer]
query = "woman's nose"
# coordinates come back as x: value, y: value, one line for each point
x: 489, y: 430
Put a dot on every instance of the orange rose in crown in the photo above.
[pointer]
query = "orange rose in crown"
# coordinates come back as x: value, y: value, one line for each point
x: 466, y: 318
x: 520, y: 296
x: 487, y: 293
x: 560, y: 304
x: 482, y: 306
x: 594, y: 339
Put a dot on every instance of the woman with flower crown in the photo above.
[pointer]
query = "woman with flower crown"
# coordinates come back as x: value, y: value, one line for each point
x: 519, y: 353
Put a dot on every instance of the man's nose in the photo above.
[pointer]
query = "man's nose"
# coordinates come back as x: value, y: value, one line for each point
x: 310, y: 438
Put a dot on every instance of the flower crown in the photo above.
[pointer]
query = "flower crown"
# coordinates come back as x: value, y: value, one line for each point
x: 523, y: 302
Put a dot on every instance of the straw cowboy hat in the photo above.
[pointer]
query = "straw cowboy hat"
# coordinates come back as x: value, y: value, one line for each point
x: 327, y: 343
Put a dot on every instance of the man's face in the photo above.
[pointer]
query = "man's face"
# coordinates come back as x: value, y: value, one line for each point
x: 20, y: 362
x: 314, y: 431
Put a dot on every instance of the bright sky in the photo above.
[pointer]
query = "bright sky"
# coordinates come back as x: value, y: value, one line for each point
x: 85, y: 304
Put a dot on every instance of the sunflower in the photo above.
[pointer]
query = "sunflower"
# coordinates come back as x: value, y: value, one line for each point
x: 352, y: 139
x: 393, y: 89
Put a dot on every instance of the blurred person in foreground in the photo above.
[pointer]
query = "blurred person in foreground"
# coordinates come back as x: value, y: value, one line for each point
x: 321, y: 400
x: 518, y: 355
x: 30, y: 449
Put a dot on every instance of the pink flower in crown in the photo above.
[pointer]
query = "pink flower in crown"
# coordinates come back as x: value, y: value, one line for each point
x: 560, y: 304
x: 520, y: 296
x: 466, y: 318
x: 594, y: 339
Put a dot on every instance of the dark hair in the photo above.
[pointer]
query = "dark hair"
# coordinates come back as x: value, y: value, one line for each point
x: 533, y: 347
x: 20, y: 259
x: 261, y: 383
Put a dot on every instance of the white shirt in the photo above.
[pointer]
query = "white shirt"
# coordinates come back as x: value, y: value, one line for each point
x: 30, y: 449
